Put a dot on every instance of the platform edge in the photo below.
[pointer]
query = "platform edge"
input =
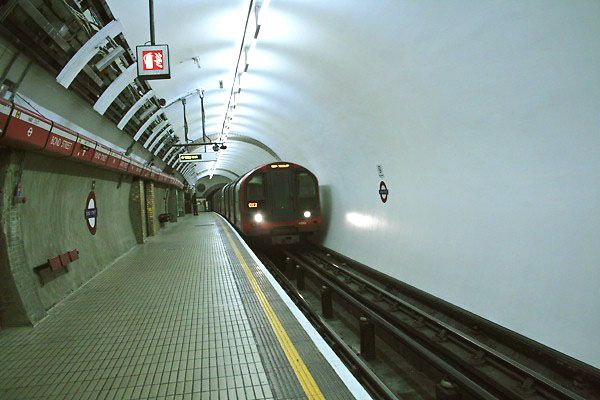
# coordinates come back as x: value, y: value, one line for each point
x: 353, y: 385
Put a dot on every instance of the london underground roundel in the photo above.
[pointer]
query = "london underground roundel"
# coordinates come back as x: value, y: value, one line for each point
x: 383, y: 191
x: 91, y: 213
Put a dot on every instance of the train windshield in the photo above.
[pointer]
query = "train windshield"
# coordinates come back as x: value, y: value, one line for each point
x: 307, y: 193
x: 281, y: 194
x: 307, y: 187
x: 255, y: 189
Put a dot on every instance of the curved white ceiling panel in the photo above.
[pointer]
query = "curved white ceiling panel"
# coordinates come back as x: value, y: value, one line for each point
x: 87, y: 52
x: 146, y: 124
x: 131, y: 112
x: 219, y: 171
x: 116, y: 87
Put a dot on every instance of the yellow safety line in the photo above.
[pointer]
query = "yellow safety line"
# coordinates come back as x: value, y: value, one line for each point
x: 302, y: 373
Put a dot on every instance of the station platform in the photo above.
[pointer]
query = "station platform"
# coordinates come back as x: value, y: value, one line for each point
x: 191, y: 314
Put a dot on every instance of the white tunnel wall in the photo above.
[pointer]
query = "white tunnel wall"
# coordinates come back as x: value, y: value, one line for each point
x: 485, y: 118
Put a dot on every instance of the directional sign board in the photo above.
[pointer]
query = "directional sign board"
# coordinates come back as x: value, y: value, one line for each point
x: 153, y: 62
x: 197, y: 157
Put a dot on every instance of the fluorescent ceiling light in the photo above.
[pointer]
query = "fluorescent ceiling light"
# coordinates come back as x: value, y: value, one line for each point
x: 262, y: 12
x: 249, y: 50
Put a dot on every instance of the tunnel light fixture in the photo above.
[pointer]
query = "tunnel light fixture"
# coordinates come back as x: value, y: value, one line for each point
x: 247, y: 49
x: 252, y: 27
x: 237, y: 83
x: 248, y: 52
x: 261, y: 12
x: 213, y: 168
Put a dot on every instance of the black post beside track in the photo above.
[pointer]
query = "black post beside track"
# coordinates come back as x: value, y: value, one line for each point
x: 357, y: 366
x: 568, y: 370
x: 474, y: 366
x: 466, y: 384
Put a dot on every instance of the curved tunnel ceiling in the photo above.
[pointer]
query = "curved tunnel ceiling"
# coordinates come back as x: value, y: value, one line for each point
x: 475, y: 112
x: 220, y: 171
x: 239, y: 158
x: 298, y: 92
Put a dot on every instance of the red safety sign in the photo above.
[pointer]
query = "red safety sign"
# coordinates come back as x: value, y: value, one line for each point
x: 153, y: 60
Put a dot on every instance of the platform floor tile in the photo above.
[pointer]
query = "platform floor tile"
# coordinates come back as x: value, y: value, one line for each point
x: 279, y: 371
x: 165, y: 321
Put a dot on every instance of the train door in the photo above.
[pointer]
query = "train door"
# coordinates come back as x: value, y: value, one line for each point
x: 237, y: 193
x: 226, y: 202
x: 282, y: 195
x: 231, y: 203
x: 307, y: 194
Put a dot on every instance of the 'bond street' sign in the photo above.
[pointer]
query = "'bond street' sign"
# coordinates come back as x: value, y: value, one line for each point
x: 153, y: 62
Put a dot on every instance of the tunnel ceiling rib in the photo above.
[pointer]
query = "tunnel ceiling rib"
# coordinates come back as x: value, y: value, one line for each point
x: 249, y: 140
x: 155, y: 132
x: 116, y: 87
x: 146, y: 124
x: 240, y: 156
x: 87, y: 52
x: 229, y: 174
x: 131, y: 112
x: 208, y: 192
x: 163, y: 138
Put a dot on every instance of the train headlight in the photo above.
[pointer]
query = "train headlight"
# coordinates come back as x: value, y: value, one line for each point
x: 307, y: 214
x: 258, y: 218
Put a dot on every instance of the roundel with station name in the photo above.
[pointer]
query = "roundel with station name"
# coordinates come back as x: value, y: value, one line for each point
x: 383, y: 191
x: 91, y: 213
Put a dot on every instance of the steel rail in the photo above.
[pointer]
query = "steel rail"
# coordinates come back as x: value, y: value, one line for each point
x: 466, y: 384
x: 510, y: 368
x: 358, y: 367
x: 564, y: 367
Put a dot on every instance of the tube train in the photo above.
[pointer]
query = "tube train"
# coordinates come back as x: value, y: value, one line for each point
x: 277, y: 202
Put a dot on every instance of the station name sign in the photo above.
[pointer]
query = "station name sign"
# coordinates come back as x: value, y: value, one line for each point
x: 153, y: 62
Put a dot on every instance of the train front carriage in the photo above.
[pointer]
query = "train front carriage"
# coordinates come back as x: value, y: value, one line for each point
x: 280, y: 201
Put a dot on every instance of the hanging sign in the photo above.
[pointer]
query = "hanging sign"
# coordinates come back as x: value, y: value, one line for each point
x: 383, y: 192
x: 153, y: 62
x: 187, y: 158
x: 91, y: 213
x: 197, y: 157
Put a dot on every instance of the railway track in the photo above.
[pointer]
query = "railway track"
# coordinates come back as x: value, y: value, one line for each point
x: 462, y: 360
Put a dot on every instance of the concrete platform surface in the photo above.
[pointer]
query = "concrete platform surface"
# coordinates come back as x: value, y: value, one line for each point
x: 185, y: 316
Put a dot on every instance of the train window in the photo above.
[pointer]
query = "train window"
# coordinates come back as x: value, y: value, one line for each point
x: 306, y: 185
x: 255, y: 188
